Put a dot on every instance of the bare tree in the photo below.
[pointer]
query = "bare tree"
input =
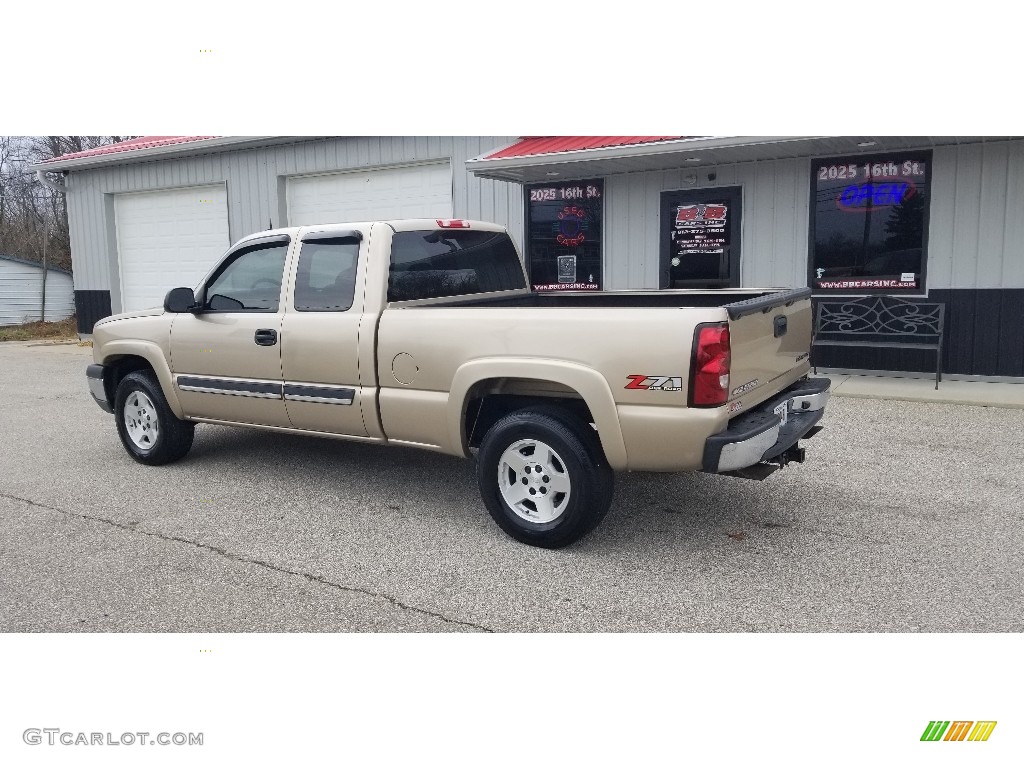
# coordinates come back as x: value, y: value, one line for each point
x: 34, y: 218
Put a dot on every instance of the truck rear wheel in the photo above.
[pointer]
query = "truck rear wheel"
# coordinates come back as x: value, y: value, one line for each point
x: 148, y: 429
x: 544, y: 477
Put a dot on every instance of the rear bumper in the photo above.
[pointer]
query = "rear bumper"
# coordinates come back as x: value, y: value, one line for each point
x: 94, y: 377
x: 760, y: 436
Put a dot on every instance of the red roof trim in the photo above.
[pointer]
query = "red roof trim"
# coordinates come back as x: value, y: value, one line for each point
x: 543, y: 145
x: 143, y: 142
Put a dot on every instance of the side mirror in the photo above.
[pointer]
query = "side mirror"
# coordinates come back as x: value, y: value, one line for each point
x: 180, y: 300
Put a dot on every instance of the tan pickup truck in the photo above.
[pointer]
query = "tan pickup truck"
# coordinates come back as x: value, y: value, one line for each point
x: 423, y: 333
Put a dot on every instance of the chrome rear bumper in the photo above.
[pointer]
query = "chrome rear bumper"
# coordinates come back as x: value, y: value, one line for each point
x: 759, y: 435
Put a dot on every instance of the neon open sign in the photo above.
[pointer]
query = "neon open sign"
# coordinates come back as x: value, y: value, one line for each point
x: 857, y: 197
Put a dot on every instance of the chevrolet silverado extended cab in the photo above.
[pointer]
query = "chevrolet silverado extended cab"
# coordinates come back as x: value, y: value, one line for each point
x: 424, y: 333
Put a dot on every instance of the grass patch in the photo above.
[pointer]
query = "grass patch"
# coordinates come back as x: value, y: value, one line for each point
x: 63, y: 329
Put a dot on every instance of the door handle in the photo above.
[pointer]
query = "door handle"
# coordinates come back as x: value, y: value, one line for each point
x: 266, y: 337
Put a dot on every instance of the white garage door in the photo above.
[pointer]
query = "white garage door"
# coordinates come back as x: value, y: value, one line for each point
x: 419, y: 191
x: 168, y: 239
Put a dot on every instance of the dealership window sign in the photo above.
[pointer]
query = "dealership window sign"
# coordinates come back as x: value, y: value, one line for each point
x: 699, y: 228
x: 869, y: 223
x: 564, y: 235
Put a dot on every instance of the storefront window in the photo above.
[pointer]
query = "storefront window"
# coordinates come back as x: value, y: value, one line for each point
x: 563, y: 235
x: 869, y: 223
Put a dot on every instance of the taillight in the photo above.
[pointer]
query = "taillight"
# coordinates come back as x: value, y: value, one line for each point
x: 709, y: 378
x: 452, y: 223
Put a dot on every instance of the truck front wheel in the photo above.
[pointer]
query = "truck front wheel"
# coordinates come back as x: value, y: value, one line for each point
x: 544, y: 477
x: 148, y: 429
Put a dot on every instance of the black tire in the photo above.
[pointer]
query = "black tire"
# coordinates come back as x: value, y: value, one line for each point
x: 173, y: 436
x: 578, y: 458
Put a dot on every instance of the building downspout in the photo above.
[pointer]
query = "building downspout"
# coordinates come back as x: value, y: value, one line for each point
x: 41, y: 178
x: 60, y: 189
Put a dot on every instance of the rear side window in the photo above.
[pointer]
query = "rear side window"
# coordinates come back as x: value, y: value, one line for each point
x: 426, y: 264
x: 326, y: 276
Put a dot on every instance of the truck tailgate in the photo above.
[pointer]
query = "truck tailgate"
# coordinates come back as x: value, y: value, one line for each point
x: 770, y: 337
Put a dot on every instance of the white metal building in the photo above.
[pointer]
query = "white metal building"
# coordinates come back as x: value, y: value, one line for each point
x: 21, y: 292
x: 933, y: 218
x: 151, y: 214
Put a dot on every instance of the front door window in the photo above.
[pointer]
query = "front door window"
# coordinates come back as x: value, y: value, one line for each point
x: 251, y: 282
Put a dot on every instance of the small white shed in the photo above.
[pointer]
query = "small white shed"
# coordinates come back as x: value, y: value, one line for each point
x: 21, y: 292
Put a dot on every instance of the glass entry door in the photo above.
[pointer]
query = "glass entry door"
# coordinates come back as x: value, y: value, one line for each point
x: 700, y: 238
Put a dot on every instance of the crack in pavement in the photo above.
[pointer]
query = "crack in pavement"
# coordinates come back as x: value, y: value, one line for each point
x: 133, y: 528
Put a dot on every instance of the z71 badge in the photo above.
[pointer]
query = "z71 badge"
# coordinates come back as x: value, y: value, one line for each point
x: 663, y: 383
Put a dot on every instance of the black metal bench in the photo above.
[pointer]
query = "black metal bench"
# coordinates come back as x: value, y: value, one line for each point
x: 881, y: 321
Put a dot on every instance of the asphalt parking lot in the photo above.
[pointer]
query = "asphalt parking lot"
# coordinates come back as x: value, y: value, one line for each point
x: 905, y: 517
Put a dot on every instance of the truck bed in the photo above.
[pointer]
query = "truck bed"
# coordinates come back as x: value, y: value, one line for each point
x: 766, y: 354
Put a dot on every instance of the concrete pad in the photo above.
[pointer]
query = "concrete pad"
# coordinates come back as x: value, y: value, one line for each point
x: 983, y: 393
